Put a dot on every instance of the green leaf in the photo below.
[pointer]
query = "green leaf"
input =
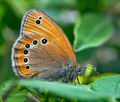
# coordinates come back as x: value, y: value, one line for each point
x: 4, y: 87
x: 59, y: 89
x: 92, y: 30
x: 109, y: 86
x: 12, y: 92
x: 103, y: 88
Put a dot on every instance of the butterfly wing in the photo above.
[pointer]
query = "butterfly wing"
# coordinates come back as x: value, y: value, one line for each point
x: 42, y: 48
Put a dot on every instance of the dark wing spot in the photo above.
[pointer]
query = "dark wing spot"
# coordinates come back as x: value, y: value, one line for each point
x: 27, y: 67
x: 44, y: 41
x: 25, y: 59
x: 37, y: 21
x: 35, y: 42
x: 27, y: 45
x: 25, y: 52
x: 40, y: 17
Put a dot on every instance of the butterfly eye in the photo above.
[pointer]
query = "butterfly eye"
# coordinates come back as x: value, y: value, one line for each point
x: 27, y: 67
x: 25, y: 59
x: 37, y: 21
x: 25, y: 52
x: 35, y: 42
x: 44, y: 41
x: 27, y: 45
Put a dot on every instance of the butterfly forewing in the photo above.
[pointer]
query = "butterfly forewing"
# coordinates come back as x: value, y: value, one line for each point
x: 42, y: 48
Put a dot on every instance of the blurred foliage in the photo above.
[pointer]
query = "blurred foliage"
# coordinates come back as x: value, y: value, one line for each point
x: 101, y: 90
x: 92, y: 30
x: 68, y: 14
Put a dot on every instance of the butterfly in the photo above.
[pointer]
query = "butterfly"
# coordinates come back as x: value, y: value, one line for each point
x: 43, y: 50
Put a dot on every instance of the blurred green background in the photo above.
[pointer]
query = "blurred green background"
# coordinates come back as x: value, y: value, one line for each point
x: 106, y: 58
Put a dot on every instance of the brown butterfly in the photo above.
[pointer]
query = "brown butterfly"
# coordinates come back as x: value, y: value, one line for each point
x: 42, y: 50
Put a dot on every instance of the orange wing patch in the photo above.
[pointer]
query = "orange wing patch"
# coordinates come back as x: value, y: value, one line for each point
x: 49, y: 29
x: 22, y: 69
